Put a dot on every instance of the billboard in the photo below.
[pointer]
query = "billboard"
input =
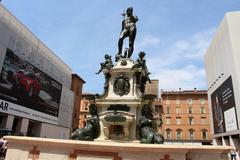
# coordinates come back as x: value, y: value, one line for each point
x: 27, y: 86
x: 223, y: 108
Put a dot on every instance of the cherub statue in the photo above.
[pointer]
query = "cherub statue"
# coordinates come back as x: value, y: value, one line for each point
x: 142, y: 75
x: 107, y: 65
x: 105, y: 68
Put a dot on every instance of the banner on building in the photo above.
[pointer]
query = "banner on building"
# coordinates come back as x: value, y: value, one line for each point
x: 17, y: 110
x: 29, y: 87
x: 223, y: 108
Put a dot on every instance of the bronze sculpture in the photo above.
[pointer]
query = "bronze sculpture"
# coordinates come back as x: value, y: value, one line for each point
x: 145, y: 129
x: 107, y: 65
x: 105, y: 68
x: 142, y: 74
x: 129, y: 29
x: 92, y: 129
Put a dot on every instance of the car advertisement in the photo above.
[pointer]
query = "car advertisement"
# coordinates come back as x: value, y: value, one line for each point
x: 223, y: 108
x: 27, y: 86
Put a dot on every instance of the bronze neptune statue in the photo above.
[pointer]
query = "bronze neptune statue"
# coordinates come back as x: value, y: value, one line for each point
x: 129, y: 29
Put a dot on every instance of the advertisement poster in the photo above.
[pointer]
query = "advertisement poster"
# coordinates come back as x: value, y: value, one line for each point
x: 23, y: 84
x: 223, y: 108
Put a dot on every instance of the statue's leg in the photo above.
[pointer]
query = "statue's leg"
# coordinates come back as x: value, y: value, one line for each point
x: 120, y: 44
x: 143, y: 83
x: 123, y: 35
x: 132, y: 36
x: 107, y: 76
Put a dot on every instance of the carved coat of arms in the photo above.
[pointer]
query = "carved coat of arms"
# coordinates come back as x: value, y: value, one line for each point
x: 121, y: 86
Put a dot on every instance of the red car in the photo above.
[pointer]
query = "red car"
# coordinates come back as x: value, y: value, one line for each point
x: 27, y: 81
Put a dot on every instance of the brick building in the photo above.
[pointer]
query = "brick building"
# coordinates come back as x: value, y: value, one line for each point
x: 152, y: 88
x: 84, y: 111
x: 77, y: 84
x: 185, y: 116
x: 86, y: 100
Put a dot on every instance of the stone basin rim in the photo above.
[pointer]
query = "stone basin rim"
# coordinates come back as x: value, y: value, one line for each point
x: 116, y: 146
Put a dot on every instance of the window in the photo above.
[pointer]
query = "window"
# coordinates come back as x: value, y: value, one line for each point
x: 178, y: 101
x: 75, y: 114
x: 179, y: 134
x: 178, y: 110
x: 202, y: 101
x: 203, y: 120
x: 202, y: 110
x: 168, y: 120
x: 86, y: 104
x: 190, y: 110
x: 190, y: 101
x: 79, y: 91
x: 167, y: 101
x: 204, y: 134
x: 168, y: 133
x: 191, y: 134
x: 178, y: 120
x: 168, y: 110
x: 190, y: 120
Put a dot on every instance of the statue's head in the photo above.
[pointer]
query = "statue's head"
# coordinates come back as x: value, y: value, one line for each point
x: 141, y: 54
x: 129, y: 11
x: 93, y: 109
x: 106, y: 56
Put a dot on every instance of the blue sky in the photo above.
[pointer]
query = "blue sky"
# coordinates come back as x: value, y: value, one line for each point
x: 174, y: 34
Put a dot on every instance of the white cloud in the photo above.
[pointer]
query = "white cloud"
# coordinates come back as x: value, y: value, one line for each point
x: 148, y: 41
x: 182, y: 45
x: 195, y: 46
x: 187, y: 77
x: 180, y: 64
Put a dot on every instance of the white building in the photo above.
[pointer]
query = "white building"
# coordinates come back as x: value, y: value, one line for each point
x: 35, y: 85
x: 222, y: 62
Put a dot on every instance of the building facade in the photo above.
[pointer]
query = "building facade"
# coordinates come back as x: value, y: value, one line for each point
x: 84, y: 112
x: 77, y: 85
x: 222, y: 62
x: 35, y: 85
x: 185, y: 117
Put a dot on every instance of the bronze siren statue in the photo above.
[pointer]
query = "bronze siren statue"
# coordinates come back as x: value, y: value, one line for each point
x: 145, y: 130
x: 92, y: 129
x: 129, y: 29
